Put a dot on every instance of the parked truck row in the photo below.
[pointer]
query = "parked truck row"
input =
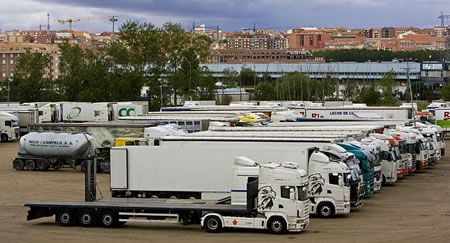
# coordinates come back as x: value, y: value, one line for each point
x: 279, y: 177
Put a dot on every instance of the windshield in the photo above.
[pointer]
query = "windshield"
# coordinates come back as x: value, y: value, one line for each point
x: 403, y: 147
x: 430, y: 146
x: 347, y: 178
x: 302, y: 193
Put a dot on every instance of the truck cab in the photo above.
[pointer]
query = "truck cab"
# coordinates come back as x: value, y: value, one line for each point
x: 373, y: 154
x: 329, y: 186
x: 49, y: 113
x: 356, y: 179
x: 388, y: 161
x: 421, y: 148
x: 276, y: 197
x: 365, y: 167
x: 9, y: 127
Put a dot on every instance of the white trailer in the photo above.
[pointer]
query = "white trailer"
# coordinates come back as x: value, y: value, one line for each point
x: 25, y: 115
x: 9, y: 127
x: 188, y: 160
x: 357, y: 113
x: 77, y: 112
x: 132, y: 108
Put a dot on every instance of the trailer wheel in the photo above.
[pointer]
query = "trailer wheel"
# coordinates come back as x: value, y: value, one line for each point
x: 57, y: 165
x: 18, y: 164
x: 87, y: 218
x: 109, y: 219
x: 65, y: 218
x: 326, y: 210
x: 42, y: 165
x: 30, y: 165
x: 212, y: 224
x: 277, y: 225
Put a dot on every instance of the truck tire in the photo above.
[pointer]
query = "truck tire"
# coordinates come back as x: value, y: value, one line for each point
x: 87, y: 218
x: 277, y: 225
x: 4, y: 138
x: 18, y: 164
x: 65, y: 218
x: 57, y: 165
x: 30, y: 165
x: 212, y: 224
x: 42, y: 165
x: 109, y: 219
x: 326, y: 210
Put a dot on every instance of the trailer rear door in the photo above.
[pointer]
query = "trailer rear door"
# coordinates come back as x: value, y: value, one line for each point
x: 119, y: 168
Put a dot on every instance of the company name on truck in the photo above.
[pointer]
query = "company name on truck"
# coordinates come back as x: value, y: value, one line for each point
x: 446, y: 115
x: 49, y: 143
x: 333, y: 113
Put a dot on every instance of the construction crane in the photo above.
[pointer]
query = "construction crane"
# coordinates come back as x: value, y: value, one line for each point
x: 443, y: 17
x: 71, y: 21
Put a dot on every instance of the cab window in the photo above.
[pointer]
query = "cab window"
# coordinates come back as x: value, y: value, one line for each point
x: 286, y: 191
x: 334, y: 179
x: 8, y: 123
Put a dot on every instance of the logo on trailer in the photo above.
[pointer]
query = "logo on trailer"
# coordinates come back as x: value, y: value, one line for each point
x: 74, y: 112
x: 446, y: 115
x: 126, y: 111
x: 234, y: 222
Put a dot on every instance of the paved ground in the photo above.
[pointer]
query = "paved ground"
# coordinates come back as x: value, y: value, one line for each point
x: 416, y: 209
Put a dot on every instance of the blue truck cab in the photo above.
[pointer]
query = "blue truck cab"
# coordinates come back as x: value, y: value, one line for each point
x: 366, y: 167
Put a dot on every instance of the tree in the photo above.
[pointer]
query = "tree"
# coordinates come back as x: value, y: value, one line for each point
x: 445, y: 92
x: 351, y: 90
x: 265, y: 91
x: 247, y: 76
x: 386, y: 84
x: 230, y: 77
x: 370, y: 95
x: 30, y: 82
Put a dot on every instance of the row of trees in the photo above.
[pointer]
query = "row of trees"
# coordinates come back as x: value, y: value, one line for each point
x: 164, y: 59
x: 366, y: 55
x: 296, y: 86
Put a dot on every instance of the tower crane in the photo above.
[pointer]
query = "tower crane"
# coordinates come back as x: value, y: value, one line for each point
x: 70, y: 21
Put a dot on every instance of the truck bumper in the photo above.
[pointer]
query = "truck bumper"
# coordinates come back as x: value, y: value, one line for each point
x: 431, y: 162
x: 400, y: 174
x: 423, y: 164
x: 343, y: 208
x: 411, y: 170
x: 298, y: 226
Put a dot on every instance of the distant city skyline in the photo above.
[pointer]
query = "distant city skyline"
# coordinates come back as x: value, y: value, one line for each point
x: 229, y: 15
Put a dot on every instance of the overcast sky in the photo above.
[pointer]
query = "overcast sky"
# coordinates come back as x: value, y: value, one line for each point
x: 228, y: 14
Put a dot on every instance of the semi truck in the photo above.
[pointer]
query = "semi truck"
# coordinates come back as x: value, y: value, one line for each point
x: 388, y: 160
x: 365, y: 167
x: 9, y: 127
x: 187, y: 156
x: 268, y: 196
x: 26, y: 115
x: 44, y: 151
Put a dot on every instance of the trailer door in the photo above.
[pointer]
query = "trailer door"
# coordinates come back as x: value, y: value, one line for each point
x: 119, y: 168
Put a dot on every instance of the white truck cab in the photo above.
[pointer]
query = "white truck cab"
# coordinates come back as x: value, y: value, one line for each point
x: 329, y: 186
x: 374, y: 151
x: 9, y: 127
x: 276, y: 197
x: 389, y: 164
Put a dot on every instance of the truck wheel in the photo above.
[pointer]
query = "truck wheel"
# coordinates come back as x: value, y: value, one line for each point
x: 42, y: 165
x: 212, y: 224
x: 87, y: 218
x: 109, y: 219
x: 30, y: 165
x: 4, y: 138
x: 18, y: 164
x: 65, y: 218
x: 325, y: 210
x: 276, y: 225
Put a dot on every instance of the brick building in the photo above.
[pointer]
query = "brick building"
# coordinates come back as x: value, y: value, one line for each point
x: 10, y: 53
x: 307, y: 39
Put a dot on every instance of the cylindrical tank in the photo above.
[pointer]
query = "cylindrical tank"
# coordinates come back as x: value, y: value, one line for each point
x: 55, y: 144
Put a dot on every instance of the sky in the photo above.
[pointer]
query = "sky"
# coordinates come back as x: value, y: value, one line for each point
x: 229, y: 15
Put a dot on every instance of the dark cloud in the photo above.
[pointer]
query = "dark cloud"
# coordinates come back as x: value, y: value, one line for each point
x: 237, y: 14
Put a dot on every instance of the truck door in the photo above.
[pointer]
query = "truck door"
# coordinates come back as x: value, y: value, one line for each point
x: 119, y: 168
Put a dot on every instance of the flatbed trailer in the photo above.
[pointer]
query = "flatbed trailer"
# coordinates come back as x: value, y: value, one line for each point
x: 127, y: 209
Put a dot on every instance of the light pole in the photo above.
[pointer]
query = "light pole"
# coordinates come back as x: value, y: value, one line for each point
x: 410, y: 91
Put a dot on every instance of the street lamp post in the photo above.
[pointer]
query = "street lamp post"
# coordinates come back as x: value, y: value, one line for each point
x: 410, y: 91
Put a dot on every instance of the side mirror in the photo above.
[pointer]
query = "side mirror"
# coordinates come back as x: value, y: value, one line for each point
x: 341, y: 180
x: 292, y: 194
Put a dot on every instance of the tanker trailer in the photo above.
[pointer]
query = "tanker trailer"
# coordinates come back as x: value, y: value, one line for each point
x: 47, y: 150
